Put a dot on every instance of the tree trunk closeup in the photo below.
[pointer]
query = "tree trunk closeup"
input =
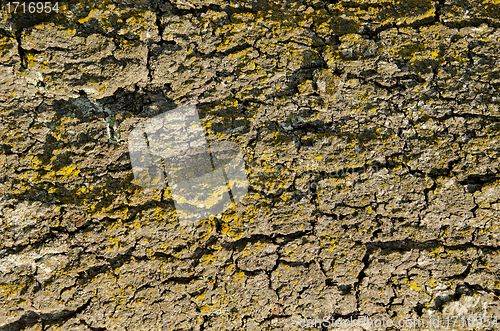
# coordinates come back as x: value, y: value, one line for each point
x: 363, y: 192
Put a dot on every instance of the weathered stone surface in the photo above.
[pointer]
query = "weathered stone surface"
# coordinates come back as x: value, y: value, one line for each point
x: 370, y: 133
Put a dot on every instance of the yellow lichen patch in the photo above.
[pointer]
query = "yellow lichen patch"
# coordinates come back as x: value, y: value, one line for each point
x: 36, y: 162
x: 239, y: 276
x: 94, y: 13
x: 6, y: 44
x: 116, y: 243
x: 200, y: 297
x: 429, y: 14
x: 414, y: 286
x: 140, y: 24
x: 10, y: 290
x: 230, y: 226
x: 136, y: 224
x: 69, y: 171
x: 208, y: 259
x: 84, y: 190
x: 31, y: 59
x: 206, y: 309
x: 286, y: 197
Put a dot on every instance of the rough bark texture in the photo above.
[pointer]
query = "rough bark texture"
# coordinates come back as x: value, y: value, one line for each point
x: 370, y: 133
